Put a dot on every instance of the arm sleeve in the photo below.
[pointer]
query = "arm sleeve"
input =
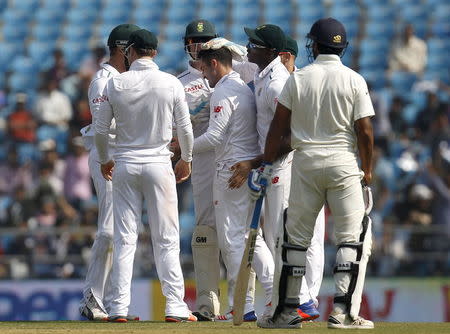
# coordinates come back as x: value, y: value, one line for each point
x: 245, y: 69
x: 285, y: 97
x: 220, y: 113
x: 102, y: 124
x: 183, y: 124
x: 363, y: 104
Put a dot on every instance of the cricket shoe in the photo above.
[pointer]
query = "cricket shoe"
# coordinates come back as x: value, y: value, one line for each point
x: 308, y: 311
x: 205, y: 316
x: 91, y: 309
x: 131, y: 317
x: 248, y: 317
x: 288, y: 318
x: 118, y: 318
x: 344, y: 321
x: 189, y: 318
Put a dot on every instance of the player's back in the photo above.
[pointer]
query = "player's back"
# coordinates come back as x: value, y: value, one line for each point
x: 327, y: 97
x: 240, y: 141
x: 144, y: 100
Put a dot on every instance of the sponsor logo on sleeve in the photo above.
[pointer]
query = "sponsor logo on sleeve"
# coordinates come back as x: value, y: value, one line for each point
x: 218, y: 109
x: 100, y: 99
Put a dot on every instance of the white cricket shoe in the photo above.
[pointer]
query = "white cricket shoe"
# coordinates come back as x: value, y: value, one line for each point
x: 288, y: 318
x: 344, y: 321
x: 91, y: 309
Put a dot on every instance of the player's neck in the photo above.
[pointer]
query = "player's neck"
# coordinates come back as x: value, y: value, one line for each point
x: 118, y: 63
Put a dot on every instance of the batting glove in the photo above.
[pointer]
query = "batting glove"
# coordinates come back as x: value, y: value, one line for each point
x: 368, y: 200
x: 259, y: 179
x: 238, y: 52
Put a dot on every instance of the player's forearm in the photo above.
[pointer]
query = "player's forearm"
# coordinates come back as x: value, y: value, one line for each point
x: 101, y: 143
x: 280, y: 128
x: 186, y: 141
x: 364, y: 134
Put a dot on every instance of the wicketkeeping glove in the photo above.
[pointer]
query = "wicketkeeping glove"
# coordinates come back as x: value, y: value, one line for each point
x: 368, y: 200
x: 238, y: 52
x: 259, y: 179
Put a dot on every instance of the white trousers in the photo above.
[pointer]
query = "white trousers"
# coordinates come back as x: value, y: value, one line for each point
x: 234, y: 211
x: 151, y: 184
x: 325, y: 175
x: 275, y: 202
x: 97, y: 277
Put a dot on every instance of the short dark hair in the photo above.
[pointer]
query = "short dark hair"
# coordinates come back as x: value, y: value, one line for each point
x: 222, y: 55
x: 323, y: 49
x: 144, y: 52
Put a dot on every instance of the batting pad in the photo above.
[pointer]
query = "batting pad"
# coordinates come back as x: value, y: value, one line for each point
x: 205, y: 254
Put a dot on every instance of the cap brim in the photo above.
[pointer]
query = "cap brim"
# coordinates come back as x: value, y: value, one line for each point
x: 251, y: 33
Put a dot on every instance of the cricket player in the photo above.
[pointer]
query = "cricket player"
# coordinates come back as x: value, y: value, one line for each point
x: 232, y: 134
x: 266, y: 42
x: 96, y: 295
x: 289, y: 54
x: 205, y: 251
x: 145, y: 102
x: 326, y: 109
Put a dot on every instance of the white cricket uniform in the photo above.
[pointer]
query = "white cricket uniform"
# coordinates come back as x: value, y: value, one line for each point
x: 268, y: 85
x: 198, y: 94
x: 101, y: 257
x: 232, y: 133
x: 325, y: 98
x: 145, y: 102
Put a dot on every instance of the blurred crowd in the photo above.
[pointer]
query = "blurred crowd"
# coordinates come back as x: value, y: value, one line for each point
x: 48, y: 208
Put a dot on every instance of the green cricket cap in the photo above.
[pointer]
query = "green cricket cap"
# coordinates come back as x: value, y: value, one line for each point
x: 119, y: 35
x: 291, y: 46
x: 200, y: 28
x: 269, y: 35
x: 143, y: 39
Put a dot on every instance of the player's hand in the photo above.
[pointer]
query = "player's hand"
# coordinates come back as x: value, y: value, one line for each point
x: 367, y: 179
x: 259, y: 180
x: 368, y: 199
x: 107, y: 170
x: 174, y: 147
x: 182, y: 170
x: 238, y: 52
x: 240, y: 174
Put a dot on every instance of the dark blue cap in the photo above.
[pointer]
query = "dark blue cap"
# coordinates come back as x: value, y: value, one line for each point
x: 329, y: 32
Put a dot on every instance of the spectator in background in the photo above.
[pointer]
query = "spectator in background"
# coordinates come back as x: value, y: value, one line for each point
x: 59, y: 70
x: 53, y: 107
x: 408, y: 53
x: 21, y: 124
x: 77, y: 179
x: 91, y: 64
x: 396, y: 118
x: 82, y: 116
x: 13, y: 174
x: 381, y: 122
x: 56, y: 166
x: 21, y: 209
x: 428, y: 114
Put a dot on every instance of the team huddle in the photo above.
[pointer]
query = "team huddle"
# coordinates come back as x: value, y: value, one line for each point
x: 254, y: 129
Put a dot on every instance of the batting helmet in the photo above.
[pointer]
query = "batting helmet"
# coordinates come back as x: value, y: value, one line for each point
x: 200, y: 28
x: 329, y: 32
x: 119, y: 35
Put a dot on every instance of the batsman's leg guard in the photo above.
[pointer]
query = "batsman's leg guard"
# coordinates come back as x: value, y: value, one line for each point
x: 350, y: 270
x: 205, y: 254
x: 289, y: 271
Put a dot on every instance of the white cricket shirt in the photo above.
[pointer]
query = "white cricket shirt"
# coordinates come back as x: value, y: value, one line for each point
x: 325, y: 98
x: 145, y: 103
x: 268, y: 85
x: 198, y: 94
x: 96, y: 87
x: 232, y: 123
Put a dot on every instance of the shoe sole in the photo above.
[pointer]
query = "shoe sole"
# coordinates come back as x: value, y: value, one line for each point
x: 201, y: 317
x: 299, y: 325
x: 176, y: 319
x: 119, y: 320
x: 336, y: 326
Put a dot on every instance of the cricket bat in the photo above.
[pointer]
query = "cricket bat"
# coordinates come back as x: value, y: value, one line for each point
x: 240, y: 291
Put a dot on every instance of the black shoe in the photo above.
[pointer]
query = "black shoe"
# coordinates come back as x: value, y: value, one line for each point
x: 202, y: 317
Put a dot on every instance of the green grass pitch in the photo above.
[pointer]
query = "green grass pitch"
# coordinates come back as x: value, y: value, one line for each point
x: 85, y: 327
